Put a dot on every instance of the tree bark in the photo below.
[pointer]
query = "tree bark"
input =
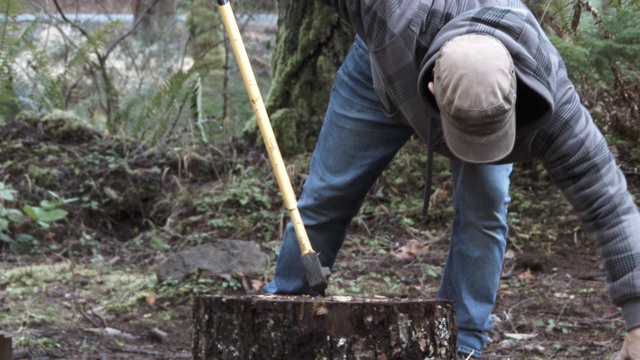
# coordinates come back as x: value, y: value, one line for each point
x: 311, y: 44
x: 154, y: 14
x: 337, y: 327
x: 5, y: 347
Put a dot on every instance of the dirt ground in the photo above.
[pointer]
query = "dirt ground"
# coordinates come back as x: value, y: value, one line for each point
x: 551, y: 304
x: 101, y: 301
x: 84, y: 287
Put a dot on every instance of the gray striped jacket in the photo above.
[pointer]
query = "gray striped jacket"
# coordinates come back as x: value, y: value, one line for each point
x: 403, y: 38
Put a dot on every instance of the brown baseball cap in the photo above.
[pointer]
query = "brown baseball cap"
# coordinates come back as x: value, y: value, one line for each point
x: 475, y: 89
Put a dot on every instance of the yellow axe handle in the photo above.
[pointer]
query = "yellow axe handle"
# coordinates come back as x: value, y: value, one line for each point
x: 266, y: 130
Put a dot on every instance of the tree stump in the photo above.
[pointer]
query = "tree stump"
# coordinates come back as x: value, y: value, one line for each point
x: 335, y: 327
x: 5, y: 347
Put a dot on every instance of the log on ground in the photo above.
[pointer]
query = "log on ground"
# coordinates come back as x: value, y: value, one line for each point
x: 335, y: 327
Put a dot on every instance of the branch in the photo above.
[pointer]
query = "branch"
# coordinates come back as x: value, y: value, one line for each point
x: 88, y: 36
x: 131, y: 31
x: 66, y: 19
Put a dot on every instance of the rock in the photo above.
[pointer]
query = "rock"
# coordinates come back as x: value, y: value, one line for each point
x: 221, y: 257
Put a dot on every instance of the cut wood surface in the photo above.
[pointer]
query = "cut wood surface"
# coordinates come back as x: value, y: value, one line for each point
x: 334, y: 327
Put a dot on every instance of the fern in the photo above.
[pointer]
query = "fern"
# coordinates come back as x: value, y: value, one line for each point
x: 6, y: 35
x: 166, y: 107
x: 558, y: 16
x: 8, y: 10
x: 36, y: 85
x: 49, y: 95
x: 150, y: 99
x: 603, y: 59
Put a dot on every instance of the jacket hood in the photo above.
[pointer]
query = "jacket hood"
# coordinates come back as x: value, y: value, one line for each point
x: 536, y: 60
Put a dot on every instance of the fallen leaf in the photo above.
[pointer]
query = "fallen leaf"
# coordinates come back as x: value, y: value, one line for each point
x: 525, y: 274
x: 506, y: 344
x: 440, y: 195
x: 150, y: 299
x: 516, y: 336
x: 535, y: 348
x: 111, y: 332
x: 411, y: 250
x: 257, y: 285
x: 111, y: 194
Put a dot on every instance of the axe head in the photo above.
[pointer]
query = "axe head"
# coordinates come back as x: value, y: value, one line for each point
x: 315, y: 274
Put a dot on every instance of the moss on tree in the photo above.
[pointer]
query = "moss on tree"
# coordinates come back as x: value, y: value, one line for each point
x: 312, y: 42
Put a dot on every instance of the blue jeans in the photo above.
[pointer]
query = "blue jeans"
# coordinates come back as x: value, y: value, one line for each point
x: 356, y: 143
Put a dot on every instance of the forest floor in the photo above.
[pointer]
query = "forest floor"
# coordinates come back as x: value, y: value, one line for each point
x: 83, y: 287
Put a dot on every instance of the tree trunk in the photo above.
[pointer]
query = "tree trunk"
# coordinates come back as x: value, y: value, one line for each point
x: 155, y: 16
x: 336, y: 327
x: 311, y: 44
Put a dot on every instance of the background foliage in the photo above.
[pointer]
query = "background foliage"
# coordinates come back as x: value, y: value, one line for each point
x: 599, y: 43
x: 178, y: 93
x: 174, y: 86
x: 120, y: 78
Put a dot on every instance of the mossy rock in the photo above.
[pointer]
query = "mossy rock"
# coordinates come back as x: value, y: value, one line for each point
x: 45, y: 177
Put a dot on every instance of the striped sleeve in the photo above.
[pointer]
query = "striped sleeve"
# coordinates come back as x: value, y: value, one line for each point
x: 579, y: 161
